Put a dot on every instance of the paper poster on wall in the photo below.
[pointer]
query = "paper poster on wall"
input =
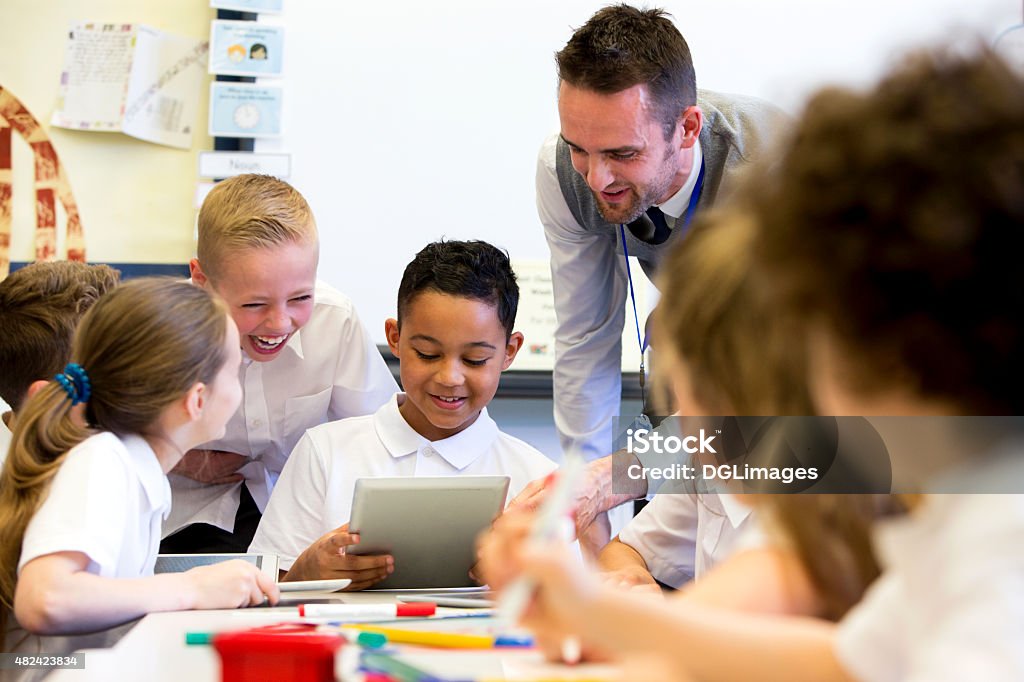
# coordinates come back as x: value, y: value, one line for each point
x: 260, y: 6
x: 536, y: 315
x: 133, y: 79
x: 536, y: 319
x: 245, y: 110
x: 245, y: 48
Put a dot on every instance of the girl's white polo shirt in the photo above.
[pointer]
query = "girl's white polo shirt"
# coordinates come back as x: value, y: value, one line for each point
x: 108, y: 501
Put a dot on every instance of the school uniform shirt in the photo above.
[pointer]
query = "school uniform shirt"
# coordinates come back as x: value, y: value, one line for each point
x: 107, y: 501
x: 681, y: 535
x: 330, y: 369
x: 949, y: 605
x: 314, y: 493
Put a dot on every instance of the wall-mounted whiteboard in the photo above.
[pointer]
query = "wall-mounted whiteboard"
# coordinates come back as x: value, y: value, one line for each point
x: 411, y: 120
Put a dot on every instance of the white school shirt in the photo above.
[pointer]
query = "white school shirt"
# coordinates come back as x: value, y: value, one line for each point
x: 949, y: 605
x: 314, y: 493
x: 107, y: 501
x: 681, y: 535
x: 330, y: 369
x: 590, y: 291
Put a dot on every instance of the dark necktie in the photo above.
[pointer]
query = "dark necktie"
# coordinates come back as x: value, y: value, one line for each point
x: 661, y: 228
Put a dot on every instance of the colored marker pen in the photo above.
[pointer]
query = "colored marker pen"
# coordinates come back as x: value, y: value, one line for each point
x: 357, y: 612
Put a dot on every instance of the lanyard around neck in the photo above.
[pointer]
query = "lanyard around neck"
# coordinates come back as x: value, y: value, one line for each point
x: 685, y: 219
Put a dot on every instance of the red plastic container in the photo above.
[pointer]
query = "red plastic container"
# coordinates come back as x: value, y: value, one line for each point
x: 282, y: 655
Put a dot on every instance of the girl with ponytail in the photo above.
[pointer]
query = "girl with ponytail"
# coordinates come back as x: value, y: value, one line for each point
x: 83, y: 492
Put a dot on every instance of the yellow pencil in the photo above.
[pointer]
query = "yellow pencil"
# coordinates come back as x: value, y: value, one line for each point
x: 446, y: 640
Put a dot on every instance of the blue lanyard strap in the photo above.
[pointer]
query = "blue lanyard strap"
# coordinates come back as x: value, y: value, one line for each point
x: 644, y: 341
x: 632, y: 297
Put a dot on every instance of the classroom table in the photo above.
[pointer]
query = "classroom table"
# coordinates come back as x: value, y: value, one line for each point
x: 155, y: 650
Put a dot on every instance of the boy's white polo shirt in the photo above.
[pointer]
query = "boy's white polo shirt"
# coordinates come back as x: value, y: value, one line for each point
x: 330, y: 369
x: 682, y: 535
x: 107, y: 501
x: 314, y: 493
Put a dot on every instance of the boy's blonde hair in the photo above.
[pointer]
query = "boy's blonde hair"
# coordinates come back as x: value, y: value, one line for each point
x: 250, y: 211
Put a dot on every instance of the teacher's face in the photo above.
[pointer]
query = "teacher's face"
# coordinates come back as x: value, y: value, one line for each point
x: 618, y: 145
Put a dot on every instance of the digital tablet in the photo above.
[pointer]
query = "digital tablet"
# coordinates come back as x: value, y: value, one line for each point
x: 463, y: 600
x: 177, y: 563
x: 428, y: 524
x: 315, y: 585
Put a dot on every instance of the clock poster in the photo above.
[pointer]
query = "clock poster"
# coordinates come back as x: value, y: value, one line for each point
x: 245, y: 110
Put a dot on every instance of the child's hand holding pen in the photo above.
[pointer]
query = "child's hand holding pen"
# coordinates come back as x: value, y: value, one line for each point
x: 561, y: 585
x: 526, y: 556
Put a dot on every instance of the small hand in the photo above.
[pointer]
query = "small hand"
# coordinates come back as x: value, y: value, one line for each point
x: 504, y: 553
x: 506, y: 535
x: 593, y: 497
x: 230, y: 584
x: 327, y: 559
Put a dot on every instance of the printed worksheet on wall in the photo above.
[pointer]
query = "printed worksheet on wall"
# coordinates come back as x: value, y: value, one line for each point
x: 133, y: 79
x: 537, y: 322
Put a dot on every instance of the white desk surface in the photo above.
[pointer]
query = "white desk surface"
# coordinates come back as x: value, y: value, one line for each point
x: 155, y: 650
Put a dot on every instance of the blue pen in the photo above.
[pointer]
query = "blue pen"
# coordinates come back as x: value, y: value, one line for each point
x: 521, y: 641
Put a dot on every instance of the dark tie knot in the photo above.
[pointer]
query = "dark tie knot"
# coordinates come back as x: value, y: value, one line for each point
x: 651, y: 227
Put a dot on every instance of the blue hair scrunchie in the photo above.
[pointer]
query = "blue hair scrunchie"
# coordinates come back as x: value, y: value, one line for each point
x: 75, y: 382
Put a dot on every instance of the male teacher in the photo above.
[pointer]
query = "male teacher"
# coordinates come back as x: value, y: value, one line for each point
x: 638, y: 154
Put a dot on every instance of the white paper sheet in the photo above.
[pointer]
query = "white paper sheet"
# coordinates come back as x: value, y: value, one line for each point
x: 131, y: 78
x: 536, y: 317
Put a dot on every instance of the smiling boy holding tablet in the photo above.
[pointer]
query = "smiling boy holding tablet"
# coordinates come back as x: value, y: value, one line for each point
x: 453, y: 336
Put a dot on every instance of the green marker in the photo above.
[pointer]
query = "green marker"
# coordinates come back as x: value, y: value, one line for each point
x: 371, y: 640
x: 199, y: 637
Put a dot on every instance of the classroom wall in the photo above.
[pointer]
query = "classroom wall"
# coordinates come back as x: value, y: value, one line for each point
x: 414, y: 120
x: 135, y: 198
x: 407, y: 143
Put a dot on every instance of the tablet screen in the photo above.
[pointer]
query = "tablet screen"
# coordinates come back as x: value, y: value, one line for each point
x: 429, y: 525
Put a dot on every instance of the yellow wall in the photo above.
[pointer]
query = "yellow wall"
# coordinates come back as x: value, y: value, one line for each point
x: 135, y: 198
